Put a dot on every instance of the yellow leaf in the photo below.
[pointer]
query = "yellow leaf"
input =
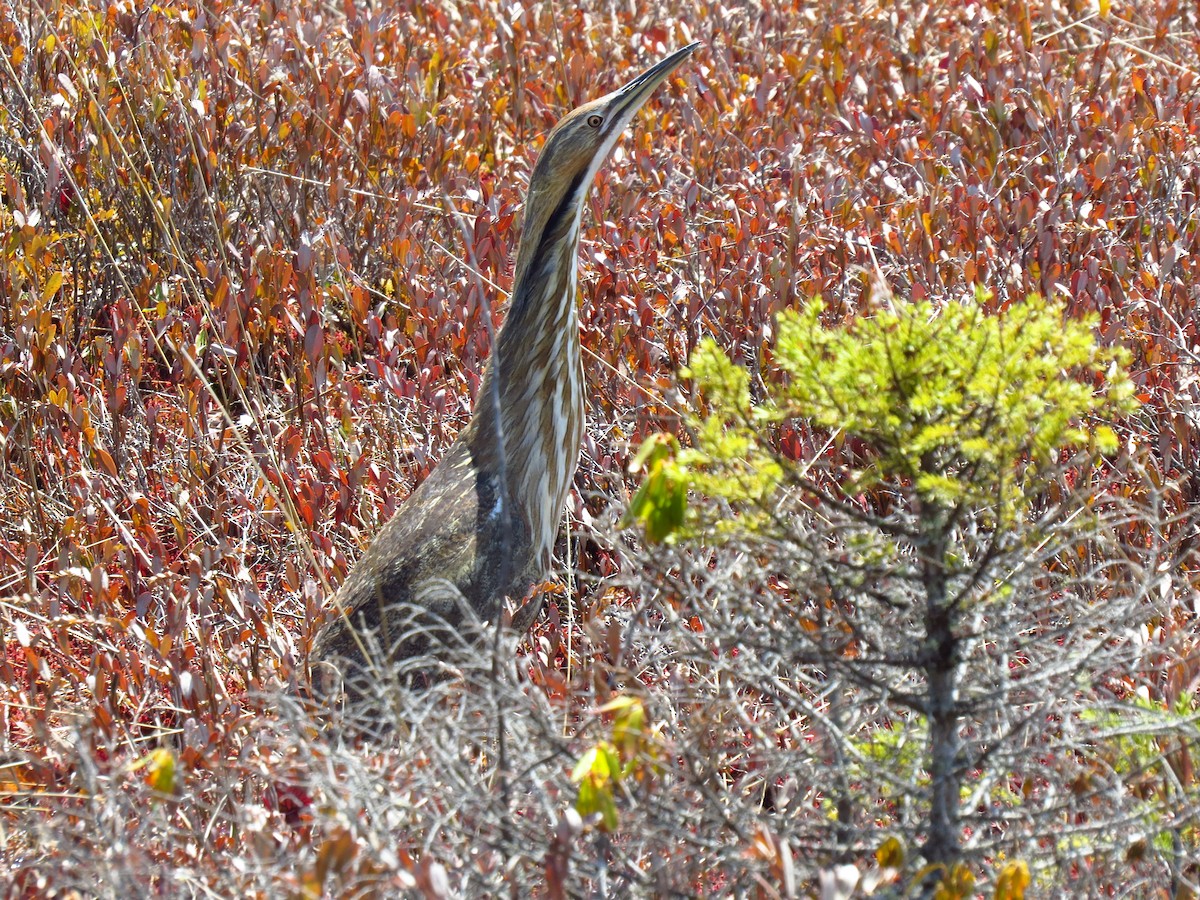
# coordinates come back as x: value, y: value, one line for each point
x: 52, y: 286
x: 1012, y: 881
x: 890, y: 854
x: 160, y: 769
x: 628, y: 728
x: 957, y: 884
x: 1106, y: 439
x: 621, y: 701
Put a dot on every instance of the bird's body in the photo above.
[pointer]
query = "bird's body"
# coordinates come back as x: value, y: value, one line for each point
x: 482, y: 525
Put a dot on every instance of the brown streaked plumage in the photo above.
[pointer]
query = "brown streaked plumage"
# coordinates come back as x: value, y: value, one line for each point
x: 482, y: 525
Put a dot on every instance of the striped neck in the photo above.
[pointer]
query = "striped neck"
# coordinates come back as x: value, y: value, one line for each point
x: 541, y: 385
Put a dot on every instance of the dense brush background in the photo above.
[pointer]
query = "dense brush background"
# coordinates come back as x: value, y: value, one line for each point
x: 238, y: 324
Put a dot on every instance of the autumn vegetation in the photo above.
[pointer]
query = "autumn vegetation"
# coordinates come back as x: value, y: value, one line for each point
x: 249, y: 251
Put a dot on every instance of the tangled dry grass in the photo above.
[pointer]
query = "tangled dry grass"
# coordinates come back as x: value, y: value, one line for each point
x: 237, y: 328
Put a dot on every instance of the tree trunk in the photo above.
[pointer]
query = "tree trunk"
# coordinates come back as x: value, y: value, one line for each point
x: 942, y: 674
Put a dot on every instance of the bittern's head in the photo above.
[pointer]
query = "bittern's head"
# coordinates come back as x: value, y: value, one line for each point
x: 577, y: 147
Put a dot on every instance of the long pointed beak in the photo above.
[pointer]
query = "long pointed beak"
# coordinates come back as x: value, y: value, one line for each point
x: 625, y: 101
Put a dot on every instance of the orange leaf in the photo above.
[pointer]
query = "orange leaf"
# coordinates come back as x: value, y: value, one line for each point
x: 106, y: 461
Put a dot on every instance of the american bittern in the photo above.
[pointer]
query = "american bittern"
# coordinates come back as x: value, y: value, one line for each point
x: 482, y: 525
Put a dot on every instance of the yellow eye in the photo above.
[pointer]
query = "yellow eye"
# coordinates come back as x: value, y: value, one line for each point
x: 595, y: 121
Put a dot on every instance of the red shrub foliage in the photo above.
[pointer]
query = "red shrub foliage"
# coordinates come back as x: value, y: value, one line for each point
x: 238, y: 321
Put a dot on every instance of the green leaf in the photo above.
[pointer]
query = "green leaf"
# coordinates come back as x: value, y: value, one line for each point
x: 584, y: 767
x: 660, y: 504
x: 596, y: 773
x: 654, y: 450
